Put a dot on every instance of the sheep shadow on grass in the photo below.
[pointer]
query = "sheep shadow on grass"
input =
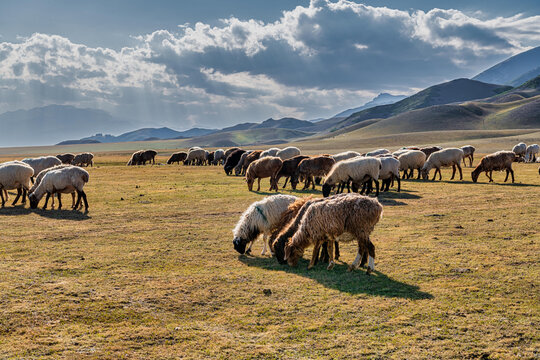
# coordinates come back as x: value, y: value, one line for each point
x: 340, y: 279
x: 63, y: 214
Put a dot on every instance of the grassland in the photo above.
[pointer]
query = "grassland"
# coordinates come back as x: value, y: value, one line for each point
x: 150, y: 272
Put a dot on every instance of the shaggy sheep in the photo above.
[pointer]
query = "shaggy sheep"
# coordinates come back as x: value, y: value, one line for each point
x: 345, y: 155
x: 41, y: 163
x: 238, y: 168
x: 210, y: 158
x: 219, y: 157
x: 389, y: 172
x: 378, y: 152
x: 254, y: 155
x: 314, y: 166
x: 148, y: 155
x: 412, y: 159
x: 499, y: 161
x: 288, y: 153
x: 446, y: 157
x: 468, y: 153
x: 66, y: 158
x: 532, y: 152
x: 269, y: 152
x: 63, y: 180
x: 262, y: 168
x: 177, y: 157
x: 232, y: 160
x: 358, y: 170
x: 40, y: 176
x: 195, y: 157
x: 520, y: 149
x: 15, y: 175
x: 229, y: 152
x: 327, y: 220
x: 430, y: 150
x: 135, y: 158
x: 289, y: 170
x: 260, y: 217
x: 83, y: 159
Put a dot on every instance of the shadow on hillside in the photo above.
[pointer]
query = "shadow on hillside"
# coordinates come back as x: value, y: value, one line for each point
x: 63, y: 214
x: 338, y: 278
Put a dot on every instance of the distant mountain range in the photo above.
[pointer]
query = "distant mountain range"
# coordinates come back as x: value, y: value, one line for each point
x: 148, y: 134
x: 381, y: 99
x: 513, y: 71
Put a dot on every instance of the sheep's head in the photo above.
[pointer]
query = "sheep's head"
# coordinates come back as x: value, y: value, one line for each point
x: 33, y: 200
x: 292, y: 254
x: 425, y: 173
x: 279, y: 250
x: 250, y: 182
x: 240, y: 241
x: 475, y: 173
x: 326, y: 189
x: 240, y: 244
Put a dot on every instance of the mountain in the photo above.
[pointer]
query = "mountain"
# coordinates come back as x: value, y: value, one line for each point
x: 381, y: 99
x: 514, y: 70
x: 454, y: 91
x: 259, y: 136
x: 283, y: 123
x: 147, y: 134
x: 54, y: 123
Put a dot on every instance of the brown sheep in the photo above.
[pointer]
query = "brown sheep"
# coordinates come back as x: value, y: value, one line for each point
x: 83, y: 159
x: 314, y: 166
x: 499, y: 161
x: 289, y: 170
x: 254, y: 155
x: 230, y: 151
x: 430, y: 150
x: 266, y: 167
x: 177, y: 157
x: 66, y: 158
x: 148, y: 155
x: 135, y: 158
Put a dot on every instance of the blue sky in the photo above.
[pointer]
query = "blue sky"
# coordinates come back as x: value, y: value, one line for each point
x: 216, y: 63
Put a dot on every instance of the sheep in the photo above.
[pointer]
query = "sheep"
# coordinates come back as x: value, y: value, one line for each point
x: 195, y: 157
x: 148, y: 155
x: 219, y: 156
x: 66, y: 158
x: 378, y: 152
x: 288, y: 152
x: 389, y: 172
x: 446, y: 157
x: 254, y: 155
x: 499, y: 161
x: 262, y: 168
x: 6, y: 195
x: 177, y: 157
x: 194, y: 148
x: 468, y: 152
x: 15, y: 175
x: 270, y: 152
x: 260, y: 217
x: 345, y: 155
x: 532, y: 152
x: 358, y: 170
x: 238, y: 168
x: 40, y: 176
x: 41, y: 163
x: 520, y: 149
x: 210, y: 158
x: 288, y: 169
x: 232, y: 160
x: 412, y: 159
x: 324, y: 221
x: 83, y: 159
x: 400, y: 152
x: 314, y: 166
x: 229, y: 152
x: 430, y: 150
x: 62, y: 180
x: 135, y: 158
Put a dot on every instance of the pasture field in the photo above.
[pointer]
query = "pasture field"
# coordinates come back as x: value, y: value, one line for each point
x: 150, y: 272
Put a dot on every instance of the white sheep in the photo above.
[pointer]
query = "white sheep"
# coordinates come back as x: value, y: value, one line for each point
x: 532, y: 153
x: 520, y: 149
x: 288, y: 152
x: 196, y: 157
x: 42, y: 163
x: 358, y: 170
x: 468, y: 152
x: 269, y: 152
x: 62, y: 180
x: 219, y: 156
x: 399, y: 152
x: 346, y: 155
x: 15, y: 176
x: 445, y: 157
x: 6, y: 195
x: 389, y: 171
x: 260, y: 217
x: 378, y: 152
x: 410, y: 160
x: 40, y: 176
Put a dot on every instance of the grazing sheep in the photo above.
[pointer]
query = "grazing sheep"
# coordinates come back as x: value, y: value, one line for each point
x: 260, y: 217
x: 210, y: 158
x: 314, y: 166
x: 229, y: 152
x: 62, y: 180
x: 177, y: 157
x: 41, y: 163
x: 532, y: 152
x: 468, y: 153
x: 195, y: 157
x: 358, y: 170
x: 135, y: 158
x: 327, y: 220
x: 389, y: 172
x: 446, y: 157
x: 520, y: 149
x: 238, y: 168
x: 288, y: 152
x: 269, y: 152
x: 232, y: 160
x: 430, y: 150
x: 15, y: 175
x: 499, y: 161
x: 194, y: 148
x: 66, y: 158
x: 288, y: 169
x: 254, y: 155
x: 262, y: 168
x: 346, y: 155
x: 412, y: 159
x: 219, y: 157
x: 40, y: 176
x: 148, y: 155
x: 378, y: 152
x: 83, y: 159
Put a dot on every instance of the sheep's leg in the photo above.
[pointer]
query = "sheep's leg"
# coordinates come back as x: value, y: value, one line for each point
x: 453, y: 172
x: 330, y: 248
x: 348, y: 187
x: 371, y: 260
x: 358, y: 257
x: 398, y: 183
x: 419, y: 173
x: 286, y: 179
x: 434, y: 175
x: 472, y: 159
x: 73, y: 200
x: 512, y: 172
x: 507, y: 173
x: 376, y: 188
x: 5, y: 194
x: 19, y: 191
x: 248, y: 251
x: 78, y: 200
x: 324, y: 253
x: 83, y: 194
x: 2, y: 196
x: 25, y: 192
x: 259, y: 184
x: 59, y: 201
x: 46, y: 200
x: 312, y: 179
x: 460, y: 172
x: 336, y: 250
x: 314, y: 255
x: 263, y: 252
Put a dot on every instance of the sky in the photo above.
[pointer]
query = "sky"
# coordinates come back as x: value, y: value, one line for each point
x: 217, y: 63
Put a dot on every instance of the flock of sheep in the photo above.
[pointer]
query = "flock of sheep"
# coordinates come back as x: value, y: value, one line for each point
x: 50, y: 175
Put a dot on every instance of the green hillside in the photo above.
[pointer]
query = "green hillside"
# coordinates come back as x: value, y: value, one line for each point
x: 247, y: 137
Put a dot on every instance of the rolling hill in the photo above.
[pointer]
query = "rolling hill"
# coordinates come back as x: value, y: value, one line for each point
x: 248, y: 137
x: 381, y: 99
x: 513, y: 71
